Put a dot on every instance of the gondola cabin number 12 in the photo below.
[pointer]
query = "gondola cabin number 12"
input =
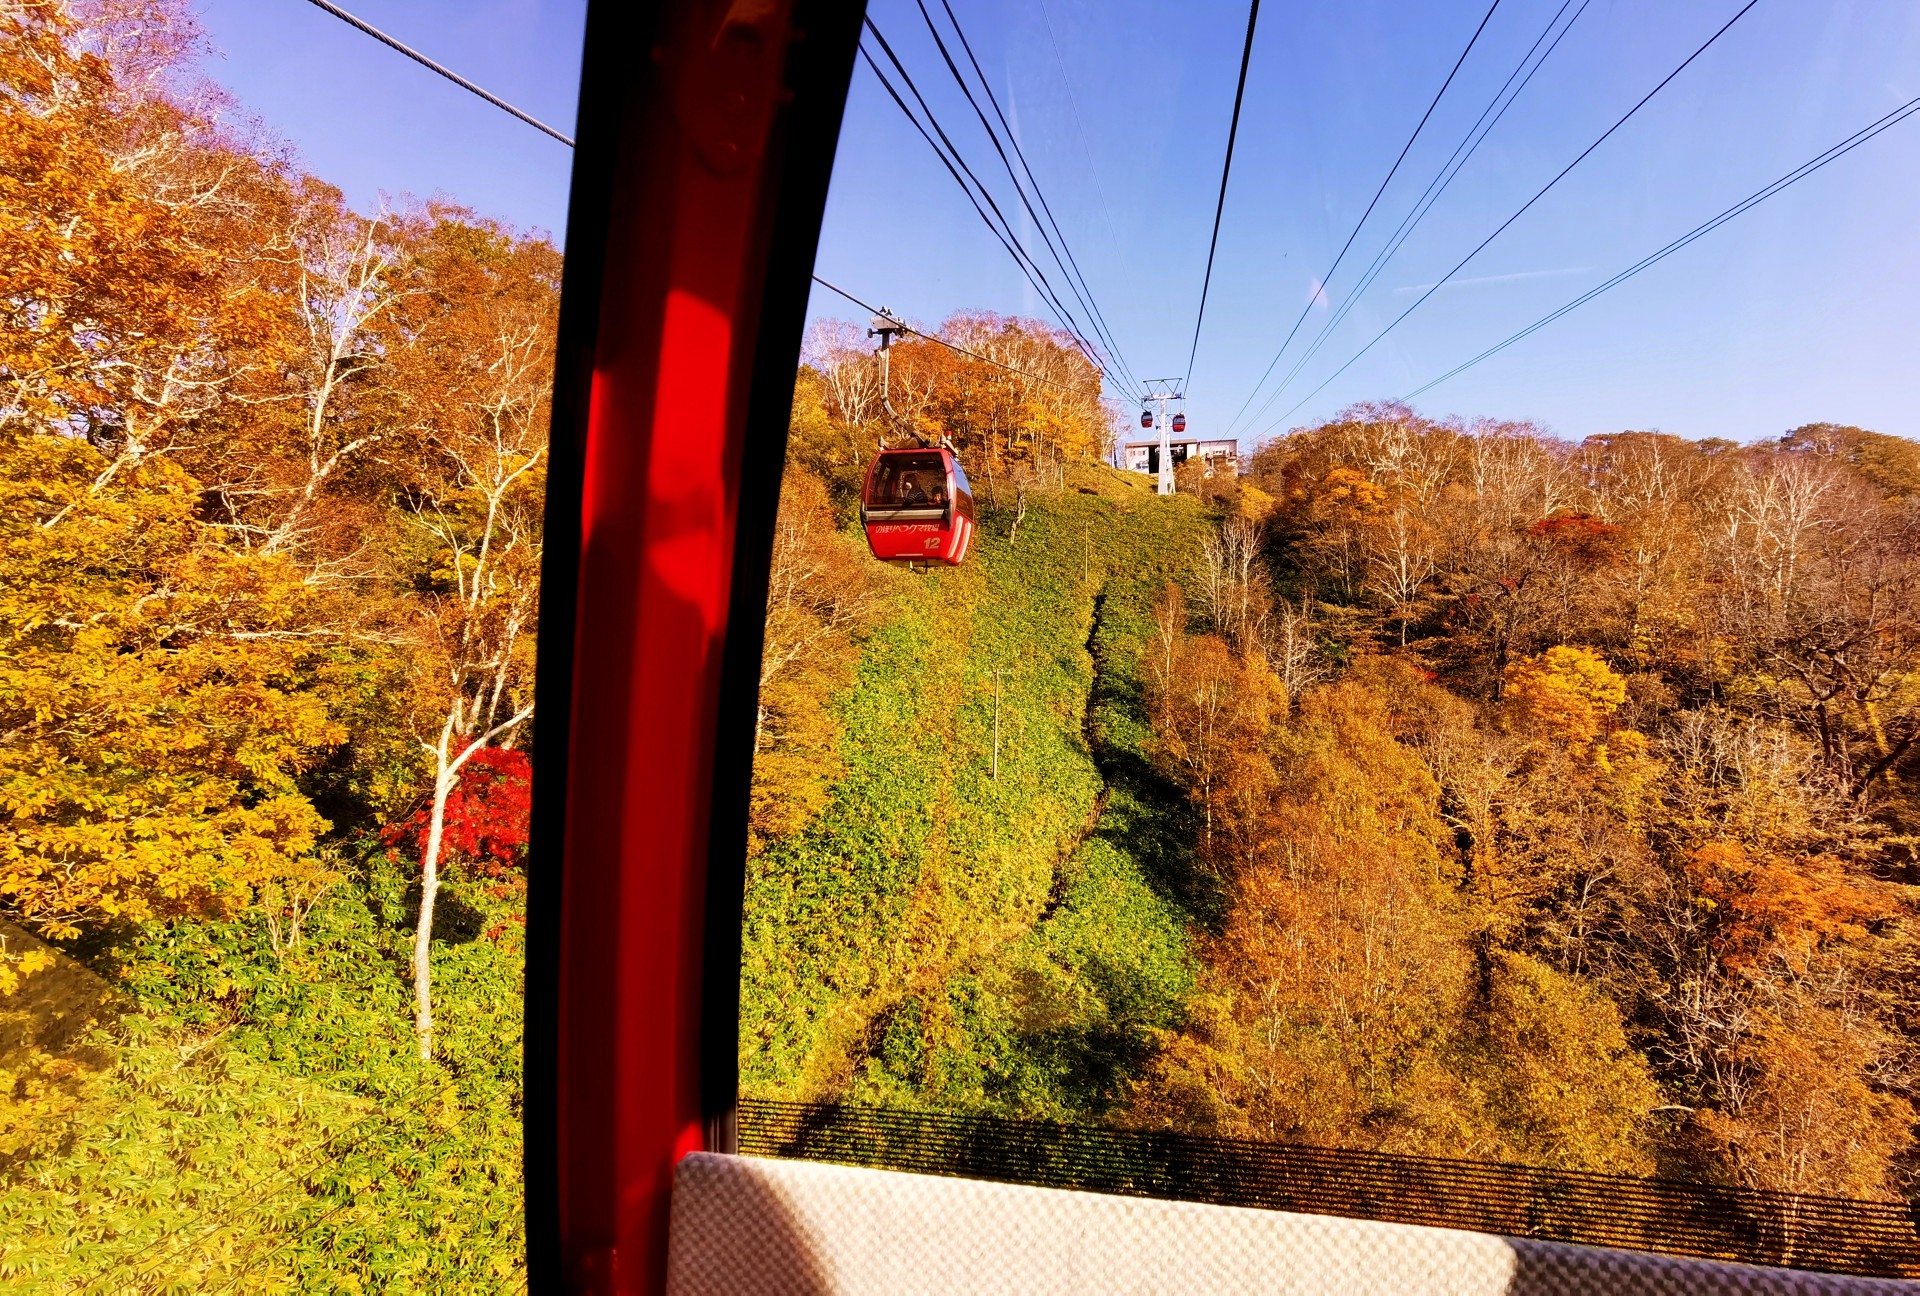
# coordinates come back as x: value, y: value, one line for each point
x: 917, y: 507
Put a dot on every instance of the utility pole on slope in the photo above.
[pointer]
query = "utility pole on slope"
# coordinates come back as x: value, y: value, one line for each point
x: 1162, y: 391
x: 998, y: 672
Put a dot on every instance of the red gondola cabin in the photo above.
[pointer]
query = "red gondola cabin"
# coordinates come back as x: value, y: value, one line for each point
x: 917, y: 507
x: 1179, y: 422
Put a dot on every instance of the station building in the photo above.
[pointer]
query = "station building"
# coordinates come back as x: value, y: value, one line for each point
x: 1144, y: 456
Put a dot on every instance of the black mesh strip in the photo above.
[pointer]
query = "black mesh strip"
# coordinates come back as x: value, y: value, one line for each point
x: 1723, y: 1223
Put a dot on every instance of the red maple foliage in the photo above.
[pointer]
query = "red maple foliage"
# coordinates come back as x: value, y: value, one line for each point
x: 1572, y: 524
x: 1580, y: 538
x: 488, y: 812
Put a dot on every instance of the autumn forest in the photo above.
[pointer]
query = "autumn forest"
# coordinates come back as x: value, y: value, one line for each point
x: 271, y: 479
x: 1480, y: 794
x: 1424, y: 785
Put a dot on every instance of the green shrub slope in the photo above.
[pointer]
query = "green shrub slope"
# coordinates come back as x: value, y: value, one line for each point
x: 263, y: 1121
x: 938, y: 936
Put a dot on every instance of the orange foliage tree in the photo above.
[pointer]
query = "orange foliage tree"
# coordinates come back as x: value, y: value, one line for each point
x: 151, y: 671
x: 1022, y: 403
x: 260, y: 458
x: 1212, y: 711
x: 1347, y: 1002
x: 1776, y: 907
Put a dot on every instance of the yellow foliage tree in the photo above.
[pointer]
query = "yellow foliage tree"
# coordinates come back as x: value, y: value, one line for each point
x: 1252, y: 503
x: 1808, y: 1120
x: 471, y: 371
x: 1020, y: 399
x: 1350, y: 1000
x: 154, y: 700
x: 1344, y: 951
x: 1555, y: 1071
x: 1212, y: 710
x: 1349, y: 489
x: 149, y: 696
x: 821, y: 591
x: 1567, y: 691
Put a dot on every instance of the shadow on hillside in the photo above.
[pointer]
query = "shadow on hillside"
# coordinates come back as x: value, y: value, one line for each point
x: 1147, y: 817
x: 1095, y: 1060
x: 53, y: 1007
x: 456, y: 920
x: 1092, y: 1063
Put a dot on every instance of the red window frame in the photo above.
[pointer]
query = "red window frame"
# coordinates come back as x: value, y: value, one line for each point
x: 706, y: 138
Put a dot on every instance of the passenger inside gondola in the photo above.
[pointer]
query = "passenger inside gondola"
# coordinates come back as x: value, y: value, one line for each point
x: 909, y: 481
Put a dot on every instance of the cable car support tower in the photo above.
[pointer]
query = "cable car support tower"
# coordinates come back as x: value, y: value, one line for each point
x: 1162, y: 390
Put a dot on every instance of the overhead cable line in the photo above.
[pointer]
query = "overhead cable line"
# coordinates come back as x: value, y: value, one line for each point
x: 1038, y: 276
x: 1017, y: 252
x: 444, y: 71
x: 1799, y: 173
x: 956, y: 164
x: 935, y: 338
x: 1320, y: 287
x: 1068, y: 267
x: 1014, y: 250
x: 1226, y: 170
x: 1020, y: 260
x: 1522, y: 210
x: 1079, y: 126
x: 1442, y: 180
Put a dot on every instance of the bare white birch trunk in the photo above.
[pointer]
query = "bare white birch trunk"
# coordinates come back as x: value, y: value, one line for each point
x: 443, y: 780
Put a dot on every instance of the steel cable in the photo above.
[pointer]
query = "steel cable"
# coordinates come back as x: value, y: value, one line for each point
x: 1521, y: 211
x: 1706, y: 227
x: 1436, y: 188
x: 1321, y: 287
x: 1226, y: 170
x: 1070, y: 267
x: 956, y: 164
x: 444, y: 71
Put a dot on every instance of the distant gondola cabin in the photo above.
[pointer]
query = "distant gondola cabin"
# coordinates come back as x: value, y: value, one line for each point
x: 917, y: 507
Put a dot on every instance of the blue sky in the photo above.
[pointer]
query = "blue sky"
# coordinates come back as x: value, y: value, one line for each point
x: 1802, y: 310
x: 374, y: 123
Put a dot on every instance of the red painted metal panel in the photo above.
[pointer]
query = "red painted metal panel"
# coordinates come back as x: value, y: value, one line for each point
x: 681, y: 287
x: 707, y: 130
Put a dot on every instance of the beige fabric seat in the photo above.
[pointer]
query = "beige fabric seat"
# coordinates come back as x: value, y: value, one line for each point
x: 747, y: 1226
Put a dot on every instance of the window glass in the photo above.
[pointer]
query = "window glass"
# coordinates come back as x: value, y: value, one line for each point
x: 908, y: 481
x: 272, y: 459
x: 1432, y: 690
